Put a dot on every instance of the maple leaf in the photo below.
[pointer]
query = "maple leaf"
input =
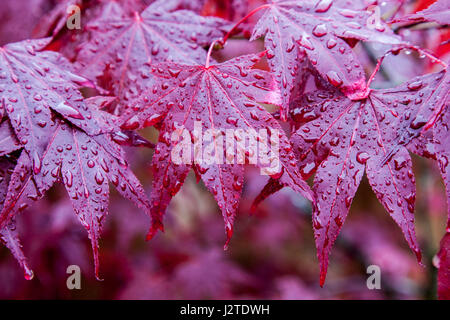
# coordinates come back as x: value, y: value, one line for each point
x: 120, y: 44
x: 319, y: 29
x: 85, y: 165
x: 417, y: 136
x: 345, y: 138
x: 8, y: 234
x: 437, y: 12
x: 33, y: 84
x: 220, y: 97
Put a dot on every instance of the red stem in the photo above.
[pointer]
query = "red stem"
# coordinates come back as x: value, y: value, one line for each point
x: 421, y: 51
x: 224, y: 39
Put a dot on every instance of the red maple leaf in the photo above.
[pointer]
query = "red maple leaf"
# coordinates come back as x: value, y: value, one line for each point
x: 8, y: 234
x: 120, y: 44
x: 220, y: 97
x: 347, y: 138
x: 8, y: 141
x: 320, y: 30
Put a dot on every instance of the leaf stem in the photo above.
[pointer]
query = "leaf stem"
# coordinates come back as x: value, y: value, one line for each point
x: 230, y: 33
x: 377, y: 68
x: 251, y: 13
x: 208, y: 57
x: 429, y: 55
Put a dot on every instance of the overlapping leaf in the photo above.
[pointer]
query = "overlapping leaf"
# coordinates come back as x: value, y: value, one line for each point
x: 221, y: 97
x: 55, y: 20
x: 318, y: 28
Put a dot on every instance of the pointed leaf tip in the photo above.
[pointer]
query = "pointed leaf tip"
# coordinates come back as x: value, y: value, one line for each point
x: 154, y: 230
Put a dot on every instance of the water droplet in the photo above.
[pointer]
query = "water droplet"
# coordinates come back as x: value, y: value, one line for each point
x: 399, y: 163
x: 69, y: 111
x: 334, y: 78
x: 29, y: 274
x: 331, y: 43
x: 174, y: 73
x: 237, y: 185
x: 104, y: 165
x: 304, y: 41
x: 317, y: 223
x: 320, y: 30
x: 232, y: 120
x: 338, y: 220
